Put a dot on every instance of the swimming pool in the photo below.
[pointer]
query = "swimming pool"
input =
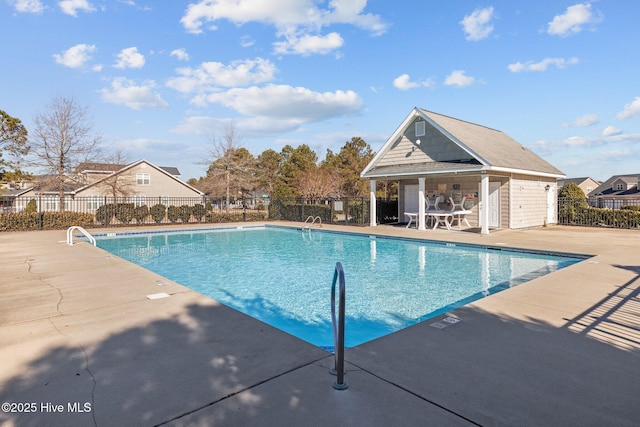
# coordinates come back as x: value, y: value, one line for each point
x: 282, y: 276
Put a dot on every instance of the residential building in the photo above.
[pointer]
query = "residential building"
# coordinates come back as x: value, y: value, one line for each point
x: 504, y: 184
x: 616, y: 192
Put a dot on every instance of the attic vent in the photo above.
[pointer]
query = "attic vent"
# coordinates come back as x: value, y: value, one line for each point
x: 420, y: 128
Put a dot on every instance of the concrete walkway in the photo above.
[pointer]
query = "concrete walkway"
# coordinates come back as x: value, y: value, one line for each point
x: 81, y: 344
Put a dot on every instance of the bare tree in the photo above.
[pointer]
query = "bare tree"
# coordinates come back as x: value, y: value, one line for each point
x: 317, y: 183
x: 63, y: 138
x: 119, y: 184
x: 231, y: 167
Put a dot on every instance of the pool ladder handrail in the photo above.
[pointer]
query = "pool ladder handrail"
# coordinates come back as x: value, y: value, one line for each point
x: 83, y: 231
x: 338, y: 328
x: 313, y: 221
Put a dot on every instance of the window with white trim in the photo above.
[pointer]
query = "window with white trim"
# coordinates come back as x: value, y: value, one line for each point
x: 420, y: 128
x: 143, y: 179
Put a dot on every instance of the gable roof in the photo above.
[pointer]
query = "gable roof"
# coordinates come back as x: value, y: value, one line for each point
x: 484, y: 148
x: 606, y: 188
x: 132, y: 165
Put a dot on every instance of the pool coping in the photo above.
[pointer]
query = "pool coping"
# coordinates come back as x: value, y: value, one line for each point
x: 61, y: 300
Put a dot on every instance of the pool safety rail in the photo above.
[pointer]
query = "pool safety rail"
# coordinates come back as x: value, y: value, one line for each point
x: 338, y: 328
x: 70, y: 231
x: 307, y: 225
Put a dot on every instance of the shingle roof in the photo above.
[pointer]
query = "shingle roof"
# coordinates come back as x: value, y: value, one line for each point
x: 495, y: 147
x: 490, y: 148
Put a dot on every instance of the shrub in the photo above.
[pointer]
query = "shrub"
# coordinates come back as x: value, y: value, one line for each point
x: 105, y: 213
x: 173, y: 213
x: 198, y: 212
x: 184, y: 213
x: 23, y: 221
x: 124, y: 212
x: 157, y: 213
x: 32, y: 206
x: 140, y: 213
x: 217, y: 217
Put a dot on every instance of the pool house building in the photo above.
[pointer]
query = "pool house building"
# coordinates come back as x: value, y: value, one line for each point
x: 501, y: 183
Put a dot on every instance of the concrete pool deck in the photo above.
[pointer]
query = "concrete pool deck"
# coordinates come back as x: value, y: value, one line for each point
x: 81, y: 344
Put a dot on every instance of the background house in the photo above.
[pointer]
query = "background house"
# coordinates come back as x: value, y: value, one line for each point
x: 140, y: 183
x: 617, y: 191
x: 430, y: 154
x: 586, y: 184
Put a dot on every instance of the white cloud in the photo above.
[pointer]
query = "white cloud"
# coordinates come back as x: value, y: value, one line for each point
x: 252, y: 127
x: 300, y: 13
x: 572, y: 21
x: 130, y: 58
x: 126, y: 92
x: 283, y: 102
x: 180, y: 54
x: 76, y: 56
x: 611, y: 131
x: 29, y: 6
x: 212, y: 75
x: 630, y: 110
x: 307, y: 44
x: 584, y: 121
x: 477, y: 26
x: 542, y: 65
x: 458, y: 78
x: 246, y: 41
x: 71, y: 7
x: 302, y: 18
x: 404, y: 82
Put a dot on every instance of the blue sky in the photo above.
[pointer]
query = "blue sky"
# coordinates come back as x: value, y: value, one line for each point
x: 162, y: 78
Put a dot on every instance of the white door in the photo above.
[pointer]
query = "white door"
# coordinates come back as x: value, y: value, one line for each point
x: 411, y: 198
x: 551, y: 205
x: 494, y: 204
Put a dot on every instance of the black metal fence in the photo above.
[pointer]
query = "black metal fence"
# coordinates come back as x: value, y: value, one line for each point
x: 346, y: 211
x: 44, y: 211
x: 617, y: 213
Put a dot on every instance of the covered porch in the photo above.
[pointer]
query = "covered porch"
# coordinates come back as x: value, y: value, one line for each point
x: 498, y: 182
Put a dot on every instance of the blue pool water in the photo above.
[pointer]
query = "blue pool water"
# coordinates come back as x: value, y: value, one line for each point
x: 283, y: 276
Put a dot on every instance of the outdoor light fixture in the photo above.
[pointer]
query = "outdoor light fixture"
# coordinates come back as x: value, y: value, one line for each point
x: 417, y: 141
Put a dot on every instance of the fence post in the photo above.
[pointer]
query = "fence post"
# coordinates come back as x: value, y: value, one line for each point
x: 40, y: 213
x: 346, y: 211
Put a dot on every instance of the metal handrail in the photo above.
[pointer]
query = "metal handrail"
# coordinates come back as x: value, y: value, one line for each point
x: 313, y: 221
x: 83, y: 231
x: 338, y: 328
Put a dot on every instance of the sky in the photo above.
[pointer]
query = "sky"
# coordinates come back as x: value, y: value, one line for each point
x: 162, y: 79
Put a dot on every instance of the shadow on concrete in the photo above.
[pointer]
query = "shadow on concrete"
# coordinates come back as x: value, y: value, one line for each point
x: 153, y: 373
x: 615, y: 319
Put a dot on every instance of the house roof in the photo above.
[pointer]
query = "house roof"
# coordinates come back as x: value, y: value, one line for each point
x: 12, y: 192
x: 489, y: 149
x: 98, y: 167
x: 134, y: 164
x: 113, y: 167
x: 606, y: 188
x: 577, y: 181
x: 170, y: 170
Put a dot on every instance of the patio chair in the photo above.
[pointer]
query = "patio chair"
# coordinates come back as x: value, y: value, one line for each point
x: 459, y: 212
x: 413, y: 216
